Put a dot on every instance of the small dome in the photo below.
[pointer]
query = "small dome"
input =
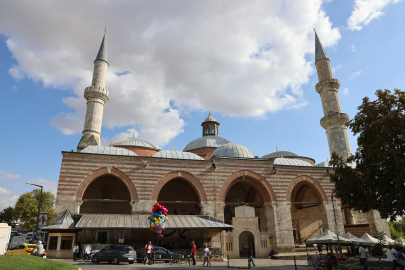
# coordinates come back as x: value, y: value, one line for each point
x: 210, y: 118
x: 134, y: 142
x: 291, y: 162
x: 232, y: 150
x: 177, y: 155
x: 279, y: 154
x: 323, y: 164
x: 206, y: 141
x: 108, y: 150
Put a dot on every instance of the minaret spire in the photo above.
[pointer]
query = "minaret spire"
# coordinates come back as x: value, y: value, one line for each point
x: 96, y: 96
x: 334, y: 121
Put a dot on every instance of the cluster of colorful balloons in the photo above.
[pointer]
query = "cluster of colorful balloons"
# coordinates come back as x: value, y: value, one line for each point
x: 158, y: 218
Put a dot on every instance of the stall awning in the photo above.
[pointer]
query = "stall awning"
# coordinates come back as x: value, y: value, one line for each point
x: 116, y: 221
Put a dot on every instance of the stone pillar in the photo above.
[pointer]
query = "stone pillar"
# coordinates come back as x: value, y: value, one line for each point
x: 281, y: 227
x: 328, y: 217
x: 377, y: 223
x: 78, y: 203
x: 142, y: 206
x: 268, y: 208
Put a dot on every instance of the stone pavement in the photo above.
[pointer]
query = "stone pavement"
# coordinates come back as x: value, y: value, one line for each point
x: 234, y: 263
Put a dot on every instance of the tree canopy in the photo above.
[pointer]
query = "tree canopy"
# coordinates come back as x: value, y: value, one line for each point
x: 26, y: 208
x: 8, y: 216
x: 377, y: 181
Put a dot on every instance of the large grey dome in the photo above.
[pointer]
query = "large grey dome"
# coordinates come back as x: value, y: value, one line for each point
x: 291, y: 162
x: 232, y: 150
x: 279, y: 154
x: 177, y: 155
x: 108, y: 150
x: 134, y: 142
x: 206, y: 141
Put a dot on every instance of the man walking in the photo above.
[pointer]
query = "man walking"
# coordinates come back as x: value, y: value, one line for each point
x: 193, y: 251
x: 250, y: 254
x: 206, y: 254
x: 363, y: 257
x: 394, y: 257
x: 148, y: 253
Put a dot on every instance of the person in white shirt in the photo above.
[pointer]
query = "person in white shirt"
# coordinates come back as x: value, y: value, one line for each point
x: 206, y: 254
x: 394, y: 257
x: 87, y: 252
x: 363, y: 257
x: 148, y: 251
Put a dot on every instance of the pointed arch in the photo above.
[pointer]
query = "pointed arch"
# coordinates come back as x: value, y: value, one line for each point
x: 312, y: 183
x: 188, y: 177
x: 254, y: 179
x: 106, y: 171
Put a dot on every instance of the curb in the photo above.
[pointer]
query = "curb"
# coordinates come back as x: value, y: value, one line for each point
x: 361, y: 267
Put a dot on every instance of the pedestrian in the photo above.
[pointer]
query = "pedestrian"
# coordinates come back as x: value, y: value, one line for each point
x: 271, y: 254
x: 394, y: 257
x: 319, y: 248
x: 250, y: 254
x: 87, y: 252
x: 401, y: 258
x: 363, y: 257
x: 148, y: 253
x: 193, y: 251
x: 75, y: 251
x: 206, y: 254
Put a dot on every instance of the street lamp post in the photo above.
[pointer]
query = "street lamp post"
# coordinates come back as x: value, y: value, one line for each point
x: 336, y: 230
x: 39, y: 206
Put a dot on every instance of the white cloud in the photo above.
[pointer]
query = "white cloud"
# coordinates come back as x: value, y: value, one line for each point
x: 353, y: 48
x: 8, y: 176
x: 355, y: 74
x: 7, y: 198
x: 365, y: 11
x: 336, y: 68
x: 346, y: 91
x: 167, y: 58
x: 48, y: 185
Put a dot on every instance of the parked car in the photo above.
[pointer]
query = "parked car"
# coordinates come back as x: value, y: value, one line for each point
x: 115, y: 254
x: 22, y: 249
x: 161, y: 254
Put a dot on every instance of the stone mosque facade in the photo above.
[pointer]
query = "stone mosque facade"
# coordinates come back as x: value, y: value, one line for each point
x: 270, y: 202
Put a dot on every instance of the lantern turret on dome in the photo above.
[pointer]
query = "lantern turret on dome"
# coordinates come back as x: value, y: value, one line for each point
x: 210, y: 126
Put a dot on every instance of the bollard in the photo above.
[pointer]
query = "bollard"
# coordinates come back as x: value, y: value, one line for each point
x: 350, y: 266
x: 228, y: 260
x: 322, y: 263
x: 381, y: 263
x: 248, y: 262
x: 171, y: 259
x: 188, y: 259
x: 153, y: 257
x: 295, y: 263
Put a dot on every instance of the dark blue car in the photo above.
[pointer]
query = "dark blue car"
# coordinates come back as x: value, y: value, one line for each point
x: 115, y: 254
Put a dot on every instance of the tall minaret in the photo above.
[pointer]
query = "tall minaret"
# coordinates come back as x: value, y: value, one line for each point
x: 334, y: 121
x: 96, y: 96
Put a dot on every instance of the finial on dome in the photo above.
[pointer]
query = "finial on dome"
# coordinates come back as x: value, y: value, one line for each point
x: 276, y: 148
x: 105, y: 30
x: 133, y: 135
x: 327, y: 159
x: 281, y: 155
x: 175, y: 148
x: 230, y: 141
x: 111, y: 143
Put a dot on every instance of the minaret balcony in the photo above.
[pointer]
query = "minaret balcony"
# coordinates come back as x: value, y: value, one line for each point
x: 96, y: 92
x: 327, y: 84
x: 334, y: 119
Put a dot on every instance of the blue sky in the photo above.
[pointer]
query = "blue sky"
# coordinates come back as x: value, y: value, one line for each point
x: 252, y: 66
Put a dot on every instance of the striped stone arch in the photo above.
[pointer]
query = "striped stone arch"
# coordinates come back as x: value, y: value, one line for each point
x: 312, y: 183
x: 257, y: 181
x: 188, y: 177
x: 81, y: 189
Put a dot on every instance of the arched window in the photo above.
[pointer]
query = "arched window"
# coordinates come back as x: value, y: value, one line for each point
x: 107, y: 193
x: 212, y: 129
x: 206, y: 130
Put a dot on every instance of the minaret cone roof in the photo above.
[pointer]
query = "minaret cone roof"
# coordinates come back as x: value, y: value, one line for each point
x: 210, y: 118
x: 102, y: 52
x: 319, y: 50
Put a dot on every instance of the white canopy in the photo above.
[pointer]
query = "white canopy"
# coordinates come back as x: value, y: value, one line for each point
x: 355, y: 240
x: 400, y: 240
x: 388, y: 240
x: 368, y: 238
x: 328, y: 237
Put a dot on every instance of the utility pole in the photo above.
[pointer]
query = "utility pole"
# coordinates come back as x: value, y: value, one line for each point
x: 39, y: 207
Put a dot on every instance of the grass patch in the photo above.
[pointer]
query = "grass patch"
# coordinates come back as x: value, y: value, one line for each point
x: 368, y: 263
x: 27, y: 262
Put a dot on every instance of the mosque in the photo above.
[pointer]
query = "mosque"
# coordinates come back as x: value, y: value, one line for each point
x: 218, y: 193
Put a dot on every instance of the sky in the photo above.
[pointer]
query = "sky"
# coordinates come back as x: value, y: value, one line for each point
x: 170, y: 62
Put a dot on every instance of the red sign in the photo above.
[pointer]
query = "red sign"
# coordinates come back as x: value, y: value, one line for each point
x: 121, y: 236
x: 161, y: 235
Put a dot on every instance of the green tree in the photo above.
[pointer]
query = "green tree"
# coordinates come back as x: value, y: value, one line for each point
x: 26, y: 208
x: 377, y: 181
x: 8, y: 216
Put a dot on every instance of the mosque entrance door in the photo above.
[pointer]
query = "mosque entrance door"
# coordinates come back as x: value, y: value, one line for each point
x: 246, y: 240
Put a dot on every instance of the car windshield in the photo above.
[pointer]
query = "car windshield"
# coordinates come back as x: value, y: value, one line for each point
x: 31, y: 246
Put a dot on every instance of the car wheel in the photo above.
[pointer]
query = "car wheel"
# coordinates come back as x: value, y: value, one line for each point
x: 116, y: 260
x: 139, y: 261
x: 95, y: 259
x: 131, y: 262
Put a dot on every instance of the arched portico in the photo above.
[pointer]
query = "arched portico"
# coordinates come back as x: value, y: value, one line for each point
x: 311, y: 183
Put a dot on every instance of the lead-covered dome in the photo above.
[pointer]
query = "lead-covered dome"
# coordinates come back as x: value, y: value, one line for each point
x: 279, y: 154
x: 134, y: 142
x: 108, y: 150
x: 232, y: 150
x: 206, y: 141
x: 177, y: 155
x: 292, y: 162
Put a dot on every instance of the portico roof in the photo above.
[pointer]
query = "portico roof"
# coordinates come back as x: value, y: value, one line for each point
x: 122, y: 221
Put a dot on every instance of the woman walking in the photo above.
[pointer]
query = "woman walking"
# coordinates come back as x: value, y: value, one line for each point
x: 75, y: 251
x: 87, y: 252
x: 206, y: 254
